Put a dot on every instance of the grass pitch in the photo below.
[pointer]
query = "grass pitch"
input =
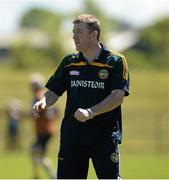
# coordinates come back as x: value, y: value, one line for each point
x: 145, y: 148
x: 18, y: 165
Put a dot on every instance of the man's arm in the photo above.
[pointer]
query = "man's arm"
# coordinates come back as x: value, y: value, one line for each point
x: 109, y: 103
x: 51, y: 98
x: 48, y: 100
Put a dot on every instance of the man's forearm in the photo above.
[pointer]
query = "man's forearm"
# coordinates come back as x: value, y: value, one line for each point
x: 109, y: 103
x: 50, y: 98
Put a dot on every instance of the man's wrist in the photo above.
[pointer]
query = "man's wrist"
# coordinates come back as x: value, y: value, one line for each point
x: 91, y: 112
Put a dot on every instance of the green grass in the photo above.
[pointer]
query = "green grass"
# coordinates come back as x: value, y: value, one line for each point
x: 145, y: 148
x: 145, y: 166
x: 18, y: 165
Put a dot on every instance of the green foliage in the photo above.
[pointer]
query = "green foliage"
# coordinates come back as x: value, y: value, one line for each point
x: 27, y: 57
x: 150, y: 52
x: 41, y: 19
x: 156, y: 38
x: 153, y: 46
x: 24, y: 54
x: 137, y: 59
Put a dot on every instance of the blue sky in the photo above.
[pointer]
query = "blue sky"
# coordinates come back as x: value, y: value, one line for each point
x: 136, y: 12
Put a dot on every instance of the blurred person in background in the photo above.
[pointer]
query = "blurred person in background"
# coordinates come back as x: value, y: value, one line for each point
x: 14, y: 112
x: 45, y: 127
x: 96, y: 81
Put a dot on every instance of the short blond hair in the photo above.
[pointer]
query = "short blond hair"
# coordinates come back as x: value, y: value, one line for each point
x: 91, y: 21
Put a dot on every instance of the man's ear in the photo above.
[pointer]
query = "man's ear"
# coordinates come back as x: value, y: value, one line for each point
x: 94, y: 34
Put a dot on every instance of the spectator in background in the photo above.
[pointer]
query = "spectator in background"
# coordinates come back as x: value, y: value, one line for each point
x: 14, y: 112
x: 45, y: 127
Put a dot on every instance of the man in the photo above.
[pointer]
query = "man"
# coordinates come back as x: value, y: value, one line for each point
x: 44, y: 128
x: 96, y: 81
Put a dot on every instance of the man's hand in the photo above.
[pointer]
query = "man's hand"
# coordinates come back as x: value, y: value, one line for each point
x: 38, y: 107
x: 83, y: 115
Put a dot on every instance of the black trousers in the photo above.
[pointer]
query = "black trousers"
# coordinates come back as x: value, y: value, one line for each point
x: 73, y: 162
x: 41, y: 143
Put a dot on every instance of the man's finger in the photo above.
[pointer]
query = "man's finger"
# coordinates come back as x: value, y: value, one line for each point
x: 40, y: 107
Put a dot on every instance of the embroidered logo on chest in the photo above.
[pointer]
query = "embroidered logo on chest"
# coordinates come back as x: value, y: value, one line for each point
x: 103, y: 74
x: 74, y: 73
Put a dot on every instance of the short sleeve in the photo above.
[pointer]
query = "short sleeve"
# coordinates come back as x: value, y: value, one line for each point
x: 120, y: 76
x: 57, y: 83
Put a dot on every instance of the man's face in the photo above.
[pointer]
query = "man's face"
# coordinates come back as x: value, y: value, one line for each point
x: 35, y: 87
x: 81, y: 36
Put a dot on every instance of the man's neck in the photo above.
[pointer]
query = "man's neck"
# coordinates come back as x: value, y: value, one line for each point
x: 93, y: 52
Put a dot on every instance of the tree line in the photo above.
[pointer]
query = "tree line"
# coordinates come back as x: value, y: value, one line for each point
x: 150, y: 51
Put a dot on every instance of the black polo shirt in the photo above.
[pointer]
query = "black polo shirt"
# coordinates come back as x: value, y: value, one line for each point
x: 87, y: 84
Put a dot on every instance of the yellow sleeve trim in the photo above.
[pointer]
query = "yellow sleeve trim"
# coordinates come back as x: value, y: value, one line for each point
x: 125, y: 66
x: 77, y: 64
x: 100, y: 64
x: 91, y: 63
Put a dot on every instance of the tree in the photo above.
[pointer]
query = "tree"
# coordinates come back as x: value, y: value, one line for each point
x: 48, y: 23
x: 155, y: 39
x: 152, y: 47
x: 44, y: 20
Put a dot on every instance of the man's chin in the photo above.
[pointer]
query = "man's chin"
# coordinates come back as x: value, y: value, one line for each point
x: 78, y: 48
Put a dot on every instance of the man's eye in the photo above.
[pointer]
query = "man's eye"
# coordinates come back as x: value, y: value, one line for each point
x: 77, y: 32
